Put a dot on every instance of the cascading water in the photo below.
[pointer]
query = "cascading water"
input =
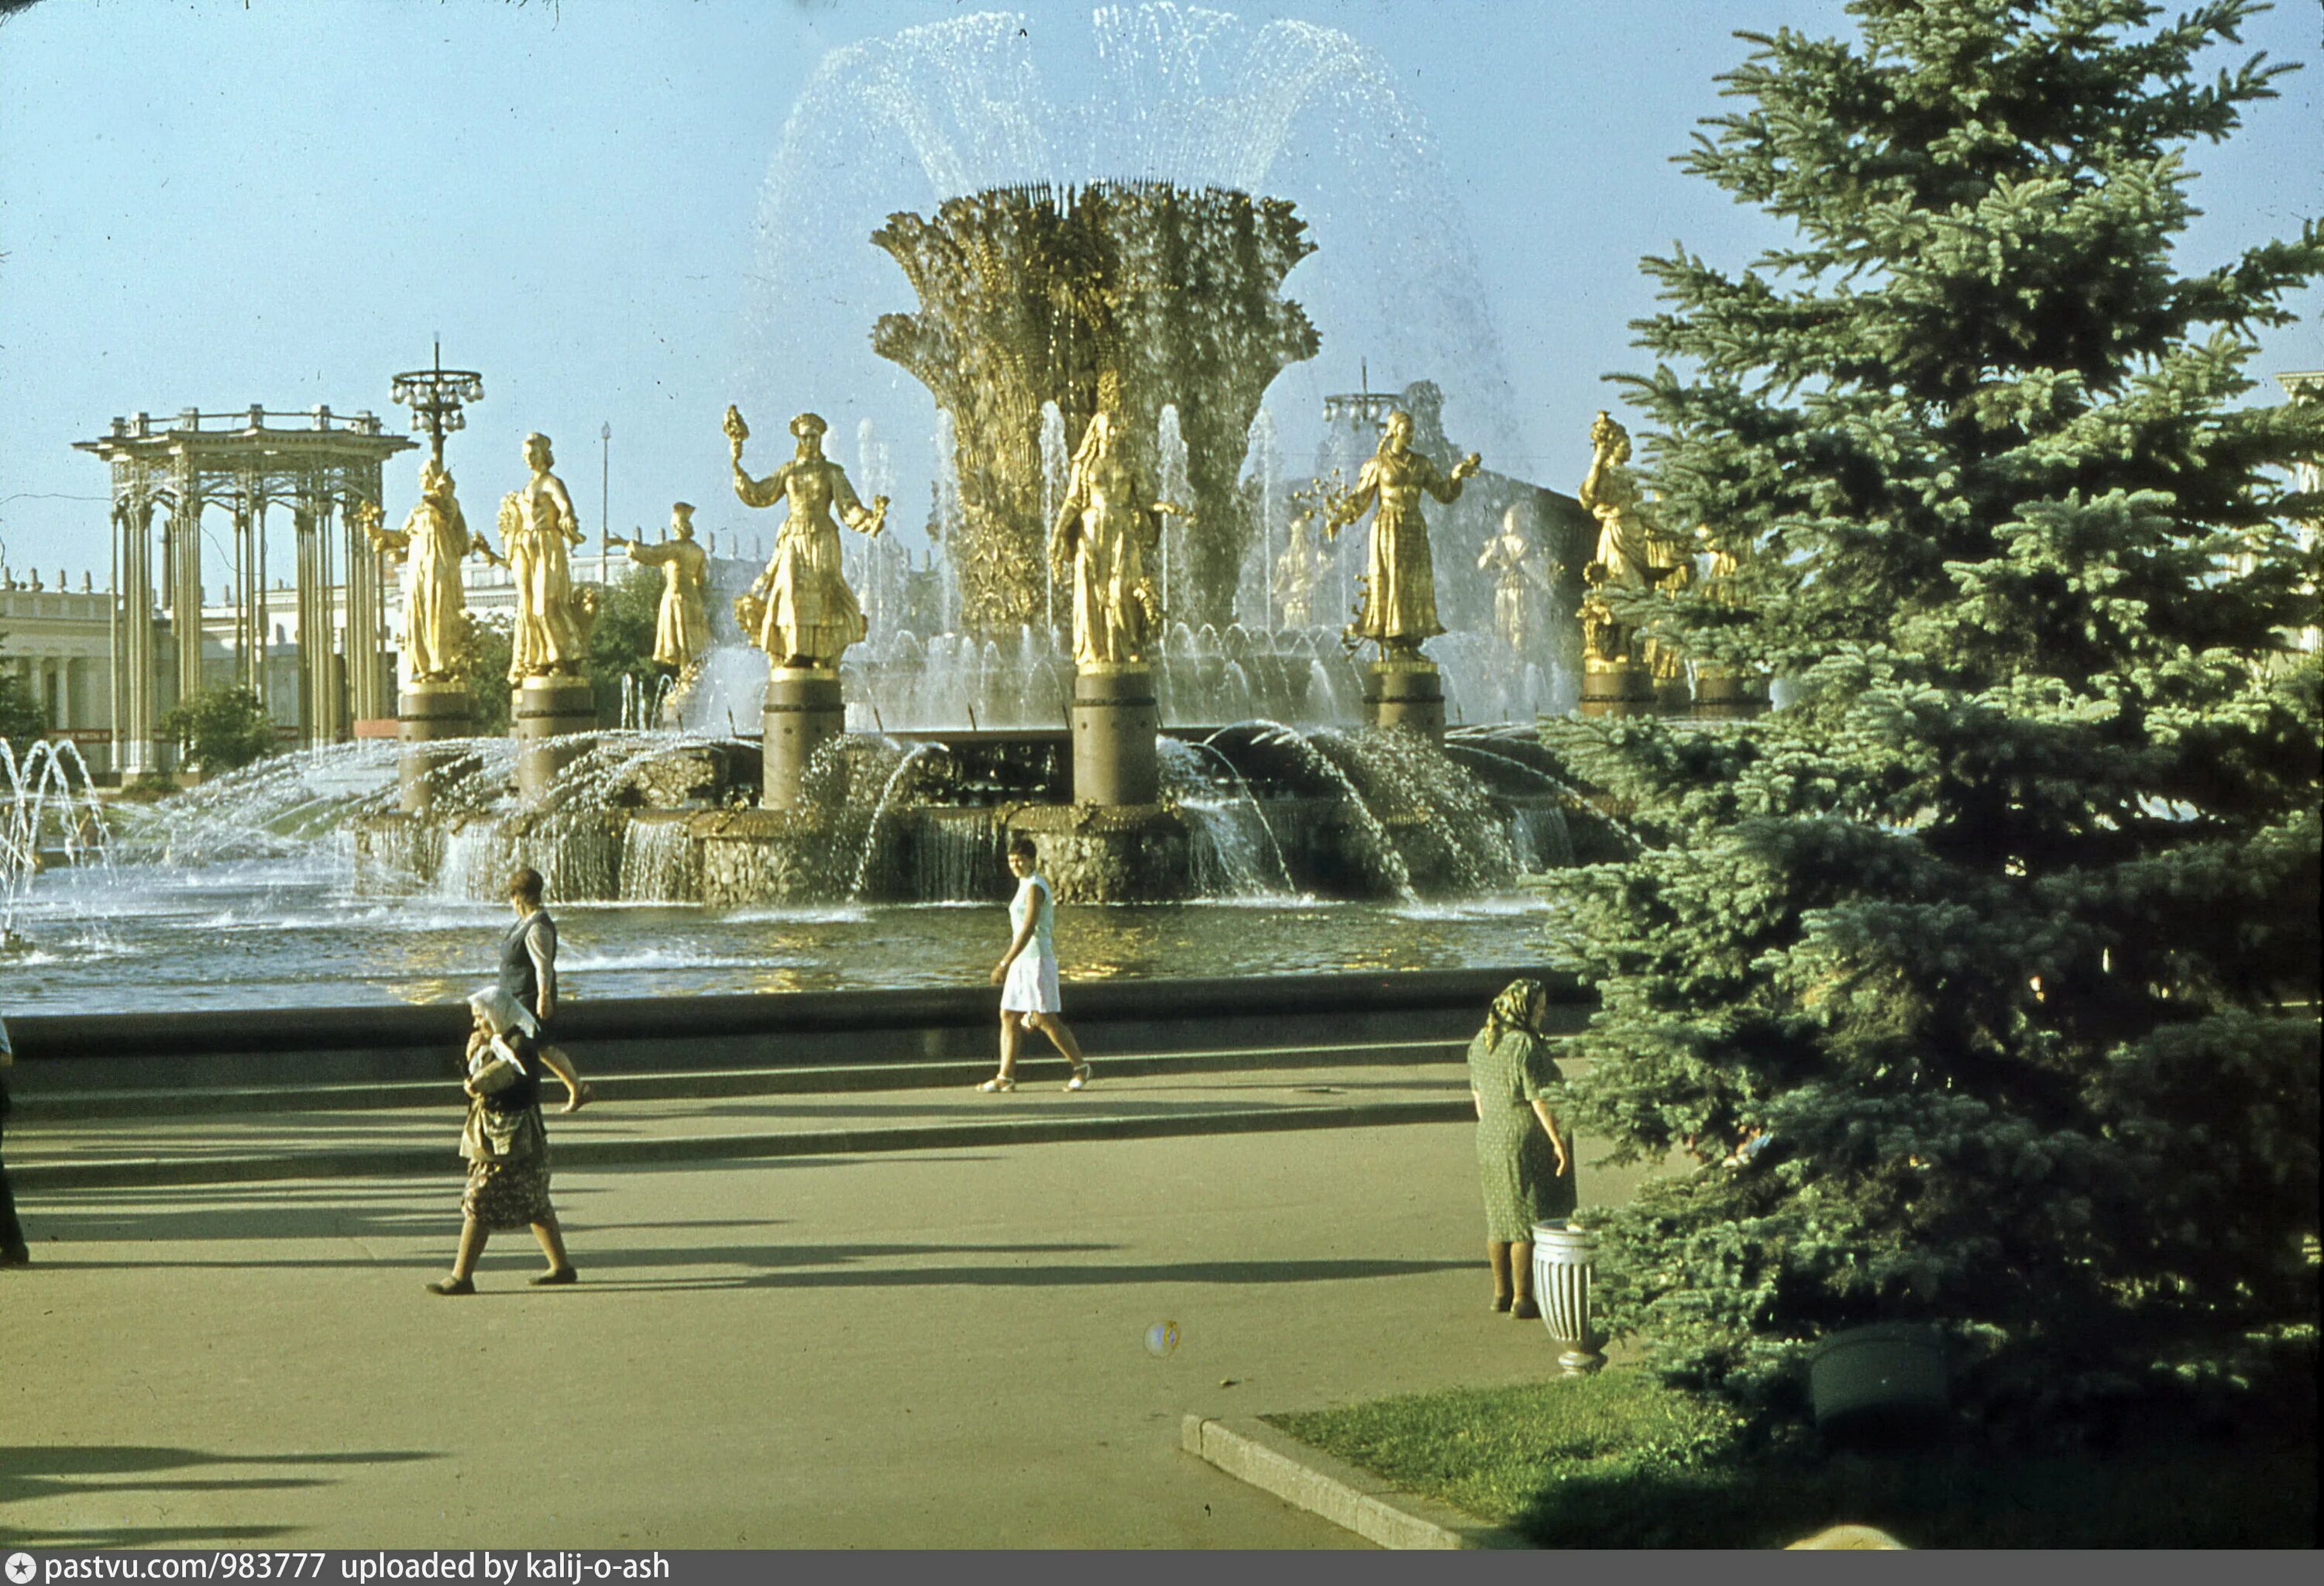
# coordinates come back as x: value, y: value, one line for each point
x: 1236, y: 853
x: 1176, y: 488
x: 1262, y: 485
x: 50, y: 807
x: 1057, y: 467
x: 1174, y: 93
x: 1373, y: 850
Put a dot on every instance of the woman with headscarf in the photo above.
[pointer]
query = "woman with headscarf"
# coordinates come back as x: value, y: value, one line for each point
x: 14, y: 1250
x: 1523, y: 1159
x: 506, y: 1146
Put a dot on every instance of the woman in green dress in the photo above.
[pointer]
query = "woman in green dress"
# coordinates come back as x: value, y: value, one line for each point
x: 1522, y: 1157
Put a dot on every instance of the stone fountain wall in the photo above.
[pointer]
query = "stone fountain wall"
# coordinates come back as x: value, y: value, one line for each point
x: 1028, y: 294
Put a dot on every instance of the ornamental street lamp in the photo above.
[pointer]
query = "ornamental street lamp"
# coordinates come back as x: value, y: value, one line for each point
x: 436, y: 397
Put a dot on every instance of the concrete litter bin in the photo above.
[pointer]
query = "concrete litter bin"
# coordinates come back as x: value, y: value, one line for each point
x: 1562, y: 1270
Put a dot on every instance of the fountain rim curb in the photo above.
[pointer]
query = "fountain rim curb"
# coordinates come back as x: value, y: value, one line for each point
x: 96, y: 1036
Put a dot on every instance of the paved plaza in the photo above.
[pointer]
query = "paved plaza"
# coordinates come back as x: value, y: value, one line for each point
x: 943, y: 1348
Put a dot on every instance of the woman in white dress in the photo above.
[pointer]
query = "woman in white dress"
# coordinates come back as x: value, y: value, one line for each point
x: 1026, y: 975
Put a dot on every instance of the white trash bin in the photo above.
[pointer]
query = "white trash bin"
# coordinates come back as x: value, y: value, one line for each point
x: 1562, y: 1269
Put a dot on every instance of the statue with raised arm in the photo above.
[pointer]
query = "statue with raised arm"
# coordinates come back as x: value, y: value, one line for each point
x: 682, y: 624
x: 1399, y: 601
x: 1519, y: 582
x: 1105, y: 528
x: 807, y: 615
x: 1636, y: 550
x: 540, y: 527
x: 433, y: 544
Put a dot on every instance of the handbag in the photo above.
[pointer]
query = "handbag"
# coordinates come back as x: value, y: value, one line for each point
x: 496, y: 1071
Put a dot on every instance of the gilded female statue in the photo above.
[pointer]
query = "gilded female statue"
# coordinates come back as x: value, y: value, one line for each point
x: 1632, y: 545
x: 682, y: 623
x: 1519, y: 581
x: 1399, y: 601
x: 1297, y: 571
x: 1106, y: 524
x: 539, y: 525
x: 433, y: 542
x: 808, y: 617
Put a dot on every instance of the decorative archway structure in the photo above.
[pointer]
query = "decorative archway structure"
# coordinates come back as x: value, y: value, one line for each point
x: 246, y: 462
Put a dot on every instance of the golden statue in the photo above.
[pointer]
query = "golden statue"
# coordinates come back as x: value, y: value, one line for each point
x: 682, y: 624
x: 1605, y: 642
x: 1107, y: 525
x: 1519, y: 581
x: 432, y: 543
x: 1297, y: 573
x: 539, y: 525
x: 807, y: 615
x: 1399, y: 600
x: 1631, y: 544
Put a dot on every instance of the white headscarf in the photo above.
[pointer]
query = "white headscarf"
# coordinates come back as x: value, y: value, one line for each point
x: 502, y: 1013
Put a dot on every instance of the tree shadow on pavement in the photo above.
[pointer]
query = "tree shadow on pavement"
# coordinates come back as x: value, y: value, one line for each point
x: 29, y: 1474
x: 841, y: 1270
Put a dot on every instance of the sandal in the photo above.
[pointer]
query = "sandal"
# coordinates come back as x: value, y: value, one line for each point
x: 997, y: 1083
x: 452, y: 1286
x: 1081, y: 1077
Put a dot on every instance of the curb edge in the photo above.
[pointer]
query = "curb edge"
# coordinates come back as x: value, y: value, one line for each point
x: 1308, y: 1479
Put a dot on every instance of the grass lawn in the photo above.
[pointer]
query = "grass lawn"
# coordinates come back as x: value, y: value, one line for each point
x: 1618, y: 1461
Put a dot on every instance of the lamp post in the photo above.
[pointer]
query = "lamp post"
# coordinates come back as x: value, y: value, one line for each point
x: 605, y: 496
x: 435, y: 396
x: 432, y: 711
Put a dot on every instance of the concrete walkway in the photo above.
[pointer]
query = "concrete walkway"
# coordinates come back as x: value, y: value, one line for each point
x: 940, y: 1348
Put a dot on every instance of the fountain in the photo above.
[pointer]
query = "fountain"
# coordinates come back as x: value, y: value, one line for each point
x: 49, y: 815
x: 1030, y: 295
x: 1171, y: 714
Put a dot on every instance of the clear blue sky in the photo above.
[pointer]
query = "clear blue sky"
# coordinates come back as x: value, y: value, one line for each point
x: 210, y: 204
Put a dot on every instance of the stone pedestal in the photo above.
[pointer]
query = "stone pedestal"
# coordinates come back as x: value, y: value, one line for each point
x: 1115, y: 721
x: 802, y: 712
x: 544, y: 715
x: 1728, y: 695
x: 1406, y: 694
x: 427, y: 714
x: 1617, y: 688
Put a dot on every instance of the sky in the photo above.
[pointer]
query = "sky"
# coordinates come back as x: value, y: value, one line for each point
x: 210, y: 203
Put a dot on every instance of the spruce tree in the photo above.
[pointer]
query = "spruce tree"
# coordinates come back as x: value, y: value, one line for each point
x: 2005, y: 928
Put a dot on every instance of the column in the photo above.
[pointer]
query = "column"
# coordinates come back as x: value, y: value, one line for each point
x: 313, y: 723
x: 802, y: 710
x: 1115, y: 721
x: 133, y: 650
x: 186, y: 585
x: 1407, y: 692
x: 366, y: 698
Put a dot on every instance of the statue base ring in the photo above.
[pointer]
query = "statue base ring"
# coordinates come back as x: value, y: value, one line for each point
x: 544, y: 715
x: 428, y: 714
x: 1728, y: 695
x: 1115, y: 722
x: 802, y: 711
x: 1407, y: 694
x: 1617, y: 688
